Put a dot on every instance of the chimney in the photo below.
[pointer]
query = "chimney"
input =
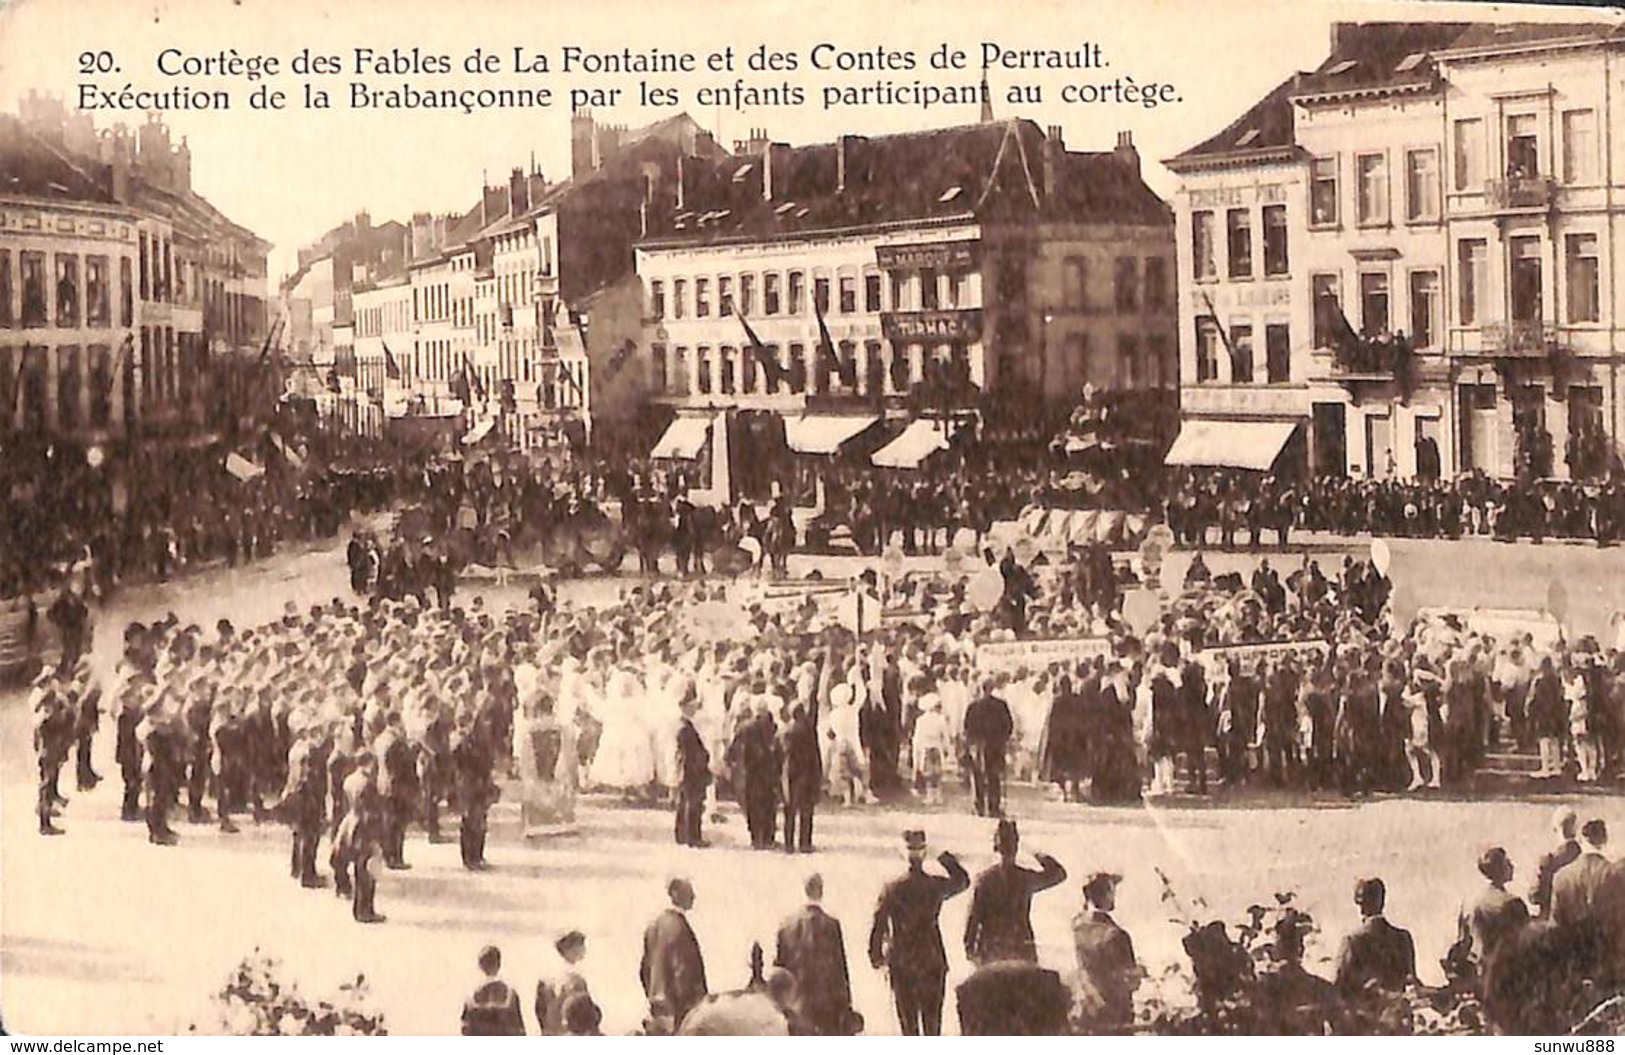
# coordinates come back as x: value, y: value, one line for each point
x: 681, y: 196
x: 1126, y: 153
x: 846, y: 157
x: 491, y: 204
x: 1342, y: 33
x: 363, y: 222
x: 774, y: 156
x: 120, y: 164
x: 518, y: 193
x: 1054, y: 150
x: 181, y: 167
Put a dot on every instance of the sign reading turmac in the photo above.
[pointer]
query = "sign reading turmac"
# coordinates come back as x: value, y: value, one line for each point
x: 964, y: 324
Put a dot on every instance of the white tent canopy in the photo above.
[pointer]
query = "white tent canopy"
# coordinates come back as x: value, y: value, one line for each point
x: 921, y: 439
x: 683, y: 439
x: 1230, y: 444
x: 823, y: 433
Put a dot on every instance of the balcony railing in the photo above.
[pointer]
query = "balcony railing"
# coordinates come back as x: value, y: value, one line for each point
x: 1526, y: 192
x: 1532, y: 337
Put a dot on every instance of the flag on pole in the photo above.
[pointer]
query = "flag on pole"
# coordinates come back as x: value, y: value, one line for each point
x: 847, y: 372
x: 392, y: 367
x: 1213, y: 316
x: 472, y: 381
x: 772, y: 369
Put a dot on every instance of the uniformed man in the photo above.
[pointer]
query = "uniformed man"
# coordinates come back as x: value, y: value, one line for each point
x: 1000, y: 923
x: 304, y: 805
x: 987, y: 728
x: 693, y: 773
x: 803, y: 780
x: 356, y: 842
x: 476, y: 790
x: 1107, y: 970
x: 162, y: 753
x: 397, y: 784
x: 53, y: 739
x: 88, y: 720
x: 128, y: 750
x: 906, y: 937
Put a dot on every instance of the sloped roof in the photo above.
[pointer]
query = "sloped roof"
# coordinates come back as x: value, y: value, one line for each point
x: 32, y: 167
x: 1489, y: 35
x: 1382, y: 55
x: 1266, y: 127
x: 984, y: 170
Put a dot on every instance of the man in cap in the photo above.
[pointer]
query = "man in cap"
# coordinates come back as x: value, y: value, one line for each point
x: 493, y: 1010
x: 999, y: 926
x: 1377, y: 955
x: 1106, y: 963
x: 906, y: 937
x: 53, y: 738
x: 672, y: 969
x: 812, y: 949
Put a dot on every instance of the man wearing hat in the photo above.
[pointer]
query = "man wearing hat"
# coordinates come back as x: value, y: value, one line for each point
x: 1107, y: 968
x: 1000, y: 923
x: 906, y: 937
x: 693, y: 772
x: 988, y: 727
x: 1378, y: 955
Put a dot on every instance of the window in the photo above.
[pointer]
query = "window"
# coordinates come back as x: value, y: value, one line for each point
x: 1075, y: 283
x: 798, y: 293
x: 1239, y: 224
x: 1276, y: 261
x: 97, y: 306
x: 798, y: 369
x: 677, y: 379
x: 899, y: 291
x: 69, y: 386
x: 1469, y: 146
x: 1526, y: 279
x: 1156, y: 283
x: 1421, y: 185
x: 1375, y: 319
x: 874, y: 369
x: 67, y: 291
x: 770, y: 294
x: 1579, y: 145
x: 35, y: 312
x: 702, y: 359
x: 1157, y: 368
x: 101, y: 386
x: 959, y: 289
x: 679, y: 297
x: 1207, y: 350
x: 1323, y: 192
x: 146, y: 286
x: 849, y: 295
x: 6, y: 317
x: 1583, y: 278
x: 1128, y: 359
x: 1277, y: 353
x: 871, y: 292
x: 725, y: 296
x: 1241, y: 353
x: 725, y: 356
x: 928, y: 290
x: 1473, y: 272
x: 747, y: 294
x: 702, y: 298
x: 1126, y: 284
x: 1202, y: 265
x: 1372, y: 173
x: 1523, y: 146
x: 657, y: 299
x: 9, y: 369
x: 1426, y: 316
x: 821, y: 295
x: 1077, y: 354
x: 847, y: 356
x: 897, y: 368
x: 1327, y: 293
x: 773, y: 378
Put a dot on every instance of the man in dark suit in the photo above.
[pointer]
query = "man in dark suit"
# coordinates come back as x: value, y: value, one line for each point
x: 1577, y: 901
x: 493, y: 1010
x: 988, y: 727
x: 803, y: 780
x: 1378, y: 954
x: 1000, y: 923
x: 673, y: 971
x: 693, y: 775
x: 811, y: 948
x: 907, y: 937
x: 1492, y: 916
x: 1107, y: 967
x: 1566, y: 825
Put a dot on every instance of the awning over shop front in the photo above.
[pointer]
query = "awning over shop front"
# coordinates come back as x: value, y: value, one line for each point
x: 479, y: 432
x: 684, y: 438
x: 921, y: 439
x: 1230, y: 444
x: 823, y: 433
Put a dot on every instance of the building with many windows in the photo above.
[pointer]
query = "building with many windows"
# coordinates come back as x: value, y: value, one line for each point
x: 1362, y: 255
x: 124, y: 295
x: 906, y: 276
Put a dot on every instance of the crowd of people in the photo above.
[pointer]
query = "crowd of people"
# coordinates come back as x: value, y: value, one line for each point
x: 1224, y: 508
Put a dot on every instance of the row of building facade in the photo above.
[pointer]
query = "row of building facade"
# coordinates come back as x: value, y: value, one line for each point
x: 1411, y: 254
x: 125, y: 296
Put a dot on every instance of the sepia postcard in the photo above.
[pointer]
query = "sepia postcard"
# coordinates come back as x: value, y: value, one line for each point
x: 752, y: 518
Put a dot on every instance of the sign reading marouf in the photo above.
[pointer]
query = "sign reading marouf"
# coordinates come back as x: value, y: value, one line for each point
x: 962, y: 325
x: 1217, y: 197
x: 1038, y: 654
x: 945, y: 256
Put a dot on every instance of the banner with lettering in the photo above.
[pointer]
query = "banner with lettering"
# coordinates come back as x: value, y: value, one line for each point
x: 1249, y: 654
x: 1038, y: 654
